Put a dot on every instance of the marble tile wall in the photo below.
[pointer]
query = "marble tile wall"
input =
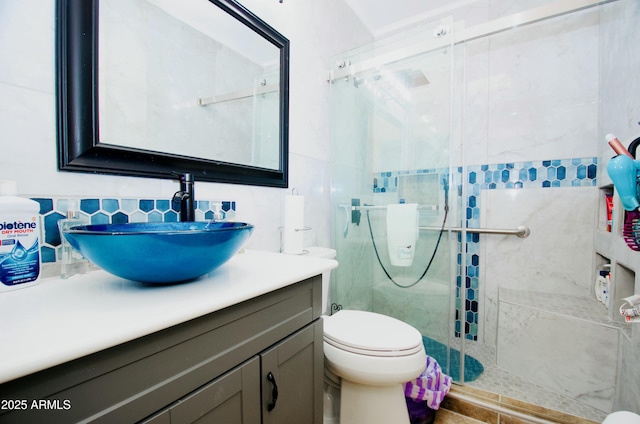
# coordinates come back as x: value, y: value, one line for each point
x: 535, y: 344
x: 531, y: 93
x: 485, y: 262
x: 537, y: 331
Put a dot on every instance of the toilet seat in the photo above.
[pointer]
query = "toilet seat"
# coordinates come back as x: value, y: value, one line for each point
x: 371, y: 334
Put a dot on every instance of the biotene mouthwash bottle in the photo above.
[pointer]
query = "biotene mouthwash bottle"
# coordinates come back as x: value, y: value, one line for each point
x: 19, y: 239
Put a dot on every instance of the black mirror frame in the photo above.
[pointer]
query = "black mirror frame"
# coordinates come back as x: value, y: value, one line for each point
x: 79, y: 146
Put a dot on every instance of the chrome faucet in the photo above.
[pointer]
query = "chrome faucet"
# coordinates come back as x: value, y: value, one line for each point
x: 186, y: 197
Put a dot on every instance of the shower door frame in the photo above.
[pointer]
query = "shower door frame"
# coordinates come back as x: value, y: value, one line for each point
x: 457, y: 35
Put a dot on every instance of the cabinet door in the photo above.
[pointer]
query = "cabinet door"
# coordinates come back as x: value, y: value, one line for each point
x: 233, y: 398
x: 294, y: 369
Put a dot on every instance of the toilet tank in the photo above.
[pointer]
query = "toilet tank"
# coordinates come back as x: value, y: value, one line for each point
x: 326, y: 253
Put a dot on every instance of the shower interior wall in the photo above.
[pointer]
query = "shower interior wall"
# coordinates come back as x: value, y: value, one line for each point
x: 620, y: 113
x: 524, y: 141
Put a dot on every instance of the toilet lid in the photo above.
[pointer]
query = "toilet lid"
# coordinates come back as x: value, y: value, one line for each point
x: 373, y: 334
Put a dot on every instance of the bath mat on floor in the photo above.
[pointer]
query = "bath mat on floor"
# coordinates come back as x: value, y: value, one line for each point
x: 472, y: 367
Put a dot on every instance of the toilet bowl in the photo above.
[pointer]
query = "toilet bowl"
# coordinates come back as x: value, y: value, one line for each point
x: 622, y: 417
x: 373, y: 355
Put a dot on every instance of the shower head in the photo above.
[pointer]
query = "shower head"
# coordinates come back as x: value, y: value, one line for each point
x: 405, y: 78
x: 411, y: 78
x: 395, y: 85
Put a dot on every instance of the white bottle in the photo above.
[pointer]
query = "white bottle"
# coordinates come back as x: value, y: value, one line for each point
x: 19, y: 239
x: 71, y: 261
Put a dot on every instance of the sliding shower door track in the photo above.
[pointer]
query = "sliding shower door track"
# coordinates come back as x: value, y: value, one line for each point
x: 457, y: 36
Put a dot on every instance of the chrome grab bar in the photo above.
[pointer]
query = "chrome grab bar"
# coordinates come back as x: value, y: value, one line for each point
x: 521, y: 231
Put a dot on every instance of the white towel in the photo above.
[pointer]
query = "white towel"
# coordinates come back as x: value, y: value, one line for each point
x: 402, y: 233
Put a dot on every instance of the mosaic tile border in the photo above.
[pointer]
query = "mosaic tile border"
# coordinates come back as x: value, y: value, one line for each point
x: 110, y: 210
x: 573, y: 172
x: 553, y: 173
x: 388, y: 181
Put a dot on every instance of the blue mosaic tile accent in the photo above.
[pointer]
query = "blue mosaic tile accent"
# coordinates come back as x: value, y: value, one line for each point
x: 387, y: 182
x: 576, y: 172
x: 119, y: 211
x: 553, y: 173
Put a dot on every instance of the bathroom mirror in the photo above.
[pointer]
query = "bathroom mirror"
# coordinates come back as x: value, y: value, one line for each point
x: 152, y: 88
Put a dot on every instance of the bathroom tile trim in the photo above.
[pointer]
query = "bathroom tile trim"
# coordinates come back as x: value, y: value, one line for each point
x: 95, y: 210
x: 552, y: 173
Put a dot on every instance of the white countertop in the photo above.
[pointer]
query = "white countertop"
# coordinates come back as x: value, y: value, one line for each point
x: 60, y: 320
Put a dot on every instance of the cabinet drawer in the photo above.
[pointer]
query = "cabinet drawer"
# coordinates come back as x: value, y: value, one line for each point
x: 132, y: 381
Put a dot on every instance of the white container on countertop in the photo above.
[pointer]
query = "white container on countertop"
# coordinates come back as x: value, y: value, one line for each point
x: 19, y: 239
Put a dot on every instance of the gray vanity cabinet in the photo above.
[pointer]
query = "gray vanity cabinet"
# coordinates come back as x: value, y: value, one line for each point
x: 235, y: 397
x: 220, y: 368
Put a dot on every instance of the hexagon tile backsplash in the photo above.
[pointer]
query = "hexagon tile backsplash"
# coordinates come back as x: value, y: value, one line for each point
x: 116, y: 211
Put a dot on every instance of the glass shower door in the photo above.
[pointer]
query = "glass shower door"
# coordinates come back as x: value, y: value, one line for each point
x: 393, y: 143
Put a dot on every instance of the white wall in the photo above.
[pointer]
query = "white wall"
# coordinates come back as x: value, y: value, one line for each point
x: 317, y: 30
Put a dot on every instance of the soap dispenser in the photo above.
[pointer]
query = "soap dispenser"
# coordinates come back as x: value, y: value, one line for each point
x: 71, y: 261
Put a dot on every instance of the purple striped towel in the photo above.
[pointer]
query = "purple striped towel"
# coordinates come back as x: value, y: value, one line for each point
x: 430, y: 386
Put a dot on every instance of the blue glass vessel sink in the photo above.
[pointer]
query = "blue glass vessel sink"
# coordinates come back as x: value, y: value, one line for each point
x: 163, y: 252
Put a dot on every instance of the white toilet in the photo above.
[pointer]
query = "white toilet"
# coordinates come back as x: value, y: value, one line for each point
x: 373, y: 355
